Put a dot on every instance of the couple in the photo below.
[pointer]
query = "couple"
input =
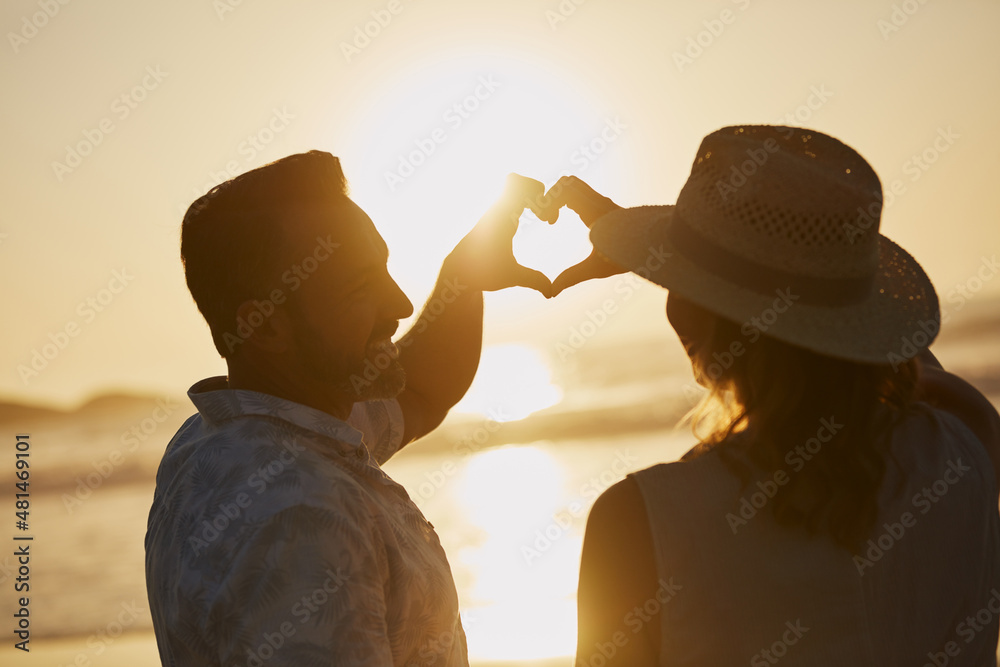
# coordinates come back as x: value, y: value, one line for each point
x: 840, y: 507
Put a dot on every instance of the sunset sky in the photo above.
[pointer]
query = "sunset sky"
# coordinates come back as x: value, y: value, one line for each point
x: 117, y: 115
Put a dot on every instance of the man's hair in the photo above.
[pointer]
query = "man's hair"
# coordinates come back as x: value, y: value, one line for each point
x: 233, y: 238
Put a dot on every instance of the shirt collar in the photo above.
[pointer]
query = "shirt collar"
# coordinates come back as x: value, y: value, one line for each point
x: 217, y: 403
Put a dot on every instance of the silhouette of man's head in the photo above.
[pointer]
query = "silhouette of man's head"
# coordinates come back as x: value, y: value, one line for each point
x: 290, y: 275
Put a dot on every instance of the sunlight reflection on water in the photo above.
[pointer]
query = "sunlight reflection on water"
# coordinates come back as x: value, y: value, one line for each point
x: 512, y: 519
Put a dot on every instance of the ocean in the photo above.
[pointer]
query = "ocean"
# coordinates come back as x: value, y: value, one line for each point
x: 507, y: 481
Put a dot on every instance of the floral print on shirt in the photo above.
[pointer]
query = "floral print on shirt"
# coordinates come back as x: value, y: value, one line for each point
x: 275, y: 538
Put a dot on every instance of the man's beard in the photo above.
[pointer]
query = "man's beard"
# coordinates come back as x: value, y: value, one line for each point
x: 379, y: 375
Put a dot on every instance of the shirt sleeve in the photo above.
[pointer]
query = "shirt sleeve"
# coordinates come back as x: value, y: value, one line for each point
x: 305, y: 589
x: 381, y: 424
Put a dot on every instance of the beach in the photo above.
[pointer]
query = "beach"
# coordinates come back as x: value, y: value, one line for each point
x: 508, y: 499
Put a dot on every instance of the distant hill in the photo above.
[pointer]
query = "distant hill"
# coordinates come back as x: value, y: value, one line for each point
x: 976, y: 317
x: 972, y: 329
x: 20, y: 412
x: 116, y: 404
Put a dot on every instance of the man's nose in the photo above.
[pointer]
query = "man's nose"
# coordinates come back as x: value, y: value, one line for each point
x: 399, y: 305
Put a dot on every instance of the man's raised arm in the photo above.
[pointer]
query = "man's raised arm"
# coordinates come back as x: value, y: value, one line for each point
x: 441, y: 351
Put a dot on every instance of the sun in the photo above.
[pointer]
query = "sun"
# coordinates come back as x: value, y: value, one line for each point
x: 512, y: 382
x: 428, y: 152
x: 431, y: 147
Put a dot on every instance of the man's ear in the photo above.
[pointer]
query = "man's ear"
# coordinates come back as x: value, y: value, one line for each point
x: 264, y: 326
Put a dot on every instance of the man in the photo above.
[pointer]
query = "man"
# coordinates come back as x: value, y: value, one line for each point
x: 274, y: 537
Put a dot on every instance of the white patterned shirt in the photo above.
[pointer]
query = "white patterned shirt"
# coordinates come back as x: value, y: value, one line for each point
x: 276, y: 539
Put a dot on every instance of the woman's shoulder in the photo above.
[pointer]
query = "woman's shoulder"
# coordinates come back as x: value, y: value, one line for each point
x: 948, y: 394
x: 932, y: 438
x: 699, y: 461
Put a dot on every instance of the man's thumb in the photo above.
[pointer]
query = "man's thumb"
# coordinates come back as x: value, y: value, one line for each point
x: 532, y: 279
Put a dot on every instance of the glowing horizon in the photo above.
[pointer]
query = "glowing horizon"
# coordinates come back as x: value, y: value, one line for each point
x: 530, y: 87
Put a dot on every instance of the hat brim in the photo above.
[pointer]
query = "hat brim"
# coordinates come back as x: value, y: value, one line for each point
x: 897, y: 318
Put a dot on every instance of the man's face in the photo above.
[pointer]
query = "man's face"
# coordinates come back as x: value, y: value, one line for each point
x: 346, y: 309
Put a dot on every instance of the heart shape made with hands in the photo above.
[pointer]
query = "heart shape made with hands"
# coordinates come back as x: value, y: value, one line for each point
x: 523, y: 193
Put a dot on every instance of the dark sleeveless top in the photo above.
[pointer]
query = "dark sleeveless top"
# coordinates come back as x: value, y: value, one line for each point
x: 924, y: 590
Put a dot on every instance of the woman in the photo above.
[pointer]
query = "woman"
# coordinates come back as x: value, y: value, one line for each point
x: 840, y: 507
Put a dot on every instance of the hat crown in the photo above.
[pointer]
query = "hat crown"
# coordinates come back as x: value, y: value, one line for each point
x: 777, y: 230
x: 794, y: 200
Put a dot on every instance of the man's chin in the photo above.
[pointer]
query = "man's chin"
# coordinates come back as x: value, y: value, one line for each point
x: 388, y: 384
x: 379, y: 376
x: 382, y: 353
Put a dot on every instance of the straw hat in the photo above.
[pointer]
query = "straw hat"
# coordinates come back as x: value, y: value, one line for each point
x: 777, y: 230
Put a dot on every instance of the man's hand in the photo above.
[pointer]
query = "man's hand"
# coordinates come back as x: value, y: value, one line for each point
x: 589, y: 205
x: 441, y: 352
x: 484, y: 259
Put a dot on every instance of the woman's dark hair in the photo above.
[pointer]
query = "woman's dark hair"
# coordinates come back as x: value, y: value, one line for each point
x: 774, y: 398
x: 233, y: 240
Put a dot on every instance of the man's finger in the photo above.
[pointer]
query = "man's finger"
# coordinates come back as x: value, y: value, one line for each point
x: 548, y: 205
x: 543, y: 211
x: 536, y: 280
x: 522, y: 192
